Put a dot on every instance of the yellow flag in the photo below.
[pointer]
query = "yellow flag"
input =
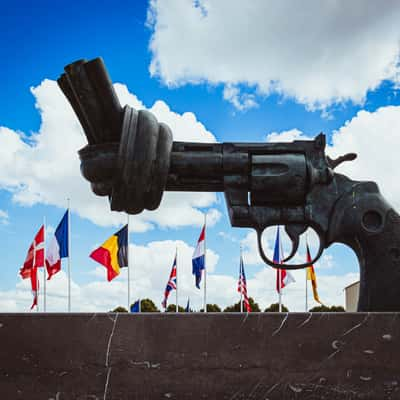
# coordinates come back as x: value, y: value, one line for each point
x: 312, y: 277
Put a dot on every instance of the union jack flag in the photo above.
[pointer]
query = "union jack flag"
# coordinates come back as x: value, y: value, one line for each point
x: 242, y: 286
x: 171, y: 285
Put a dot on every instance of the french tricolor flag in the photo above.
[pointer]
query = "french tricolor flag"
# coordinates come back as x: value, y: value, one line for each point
x: 198, y: 259
x: 283, y: 277
x: 58, y: 247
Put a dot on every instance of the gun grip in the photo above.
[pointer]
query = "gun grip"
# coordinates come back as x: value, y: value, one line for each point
x: 364, y: 221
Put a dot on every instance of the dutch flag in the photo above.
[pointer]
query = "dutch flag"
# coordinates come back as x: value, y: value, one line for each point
x: 198, y: 259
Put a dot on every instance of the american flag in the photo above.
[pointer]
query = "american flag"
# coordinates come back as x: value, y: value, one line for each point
x: 242, y: 285
x: 171, y: 285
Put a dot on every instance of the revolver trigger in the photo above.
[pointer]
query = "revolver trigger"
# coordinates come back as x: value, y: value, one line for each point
x: 294, y: 231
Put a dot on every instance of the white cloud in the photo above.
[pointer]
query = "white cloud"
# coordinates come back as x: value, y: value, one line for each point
x: 251, y: 254
x: 241, y: 101
x: 150, y: 268
x: 4, y: 218
x: 375, y: 137
x: 287, y: 136
x: 45, y: 168
x: 318, y: 53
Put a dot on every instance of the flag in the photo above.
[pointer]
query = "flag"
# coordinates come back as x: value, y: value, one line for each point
x: 135, y: 307
x: 113, y: 253
x: 171, y: 285
x: 187, y: 309
x: 198, y: 258
x: 33, y: 260
x: 58, y: 247
x: 285, y: 276
x: 312, y: 277
x: 242, y: 285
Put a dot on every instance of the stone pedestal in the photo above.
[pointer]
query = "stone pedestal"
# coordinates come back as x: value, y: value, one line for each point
x: 257, y: 356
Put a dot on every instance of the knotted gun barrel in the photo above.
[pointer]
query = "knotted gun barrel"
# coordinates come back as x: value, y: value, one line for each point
x: 132, y: 159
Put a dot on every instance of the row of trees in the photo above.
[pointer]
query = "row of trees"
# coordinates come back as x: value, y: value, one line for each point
x: 147, y: 305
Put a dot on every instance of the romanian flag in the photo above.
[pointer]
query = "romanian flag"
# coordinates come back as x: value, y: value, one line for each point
x: 113, y: 253
x: 312, y: 277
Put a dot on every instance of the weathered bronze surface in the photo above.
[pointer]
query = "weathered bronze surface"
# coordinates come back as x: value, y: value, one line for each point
x: 131, y: 158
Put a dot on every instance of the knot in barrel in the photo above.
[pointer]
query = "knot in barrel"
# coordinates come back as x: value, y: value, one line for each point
x: 134, y: 172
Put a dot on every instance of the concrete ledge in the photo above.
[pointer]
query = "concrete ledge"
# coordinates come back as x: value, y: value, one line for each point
x: 196, y: 356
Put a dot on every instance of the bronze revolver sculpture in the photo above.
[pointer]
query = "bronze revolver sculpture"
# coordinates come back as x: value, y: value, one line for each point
x: 132, y: 159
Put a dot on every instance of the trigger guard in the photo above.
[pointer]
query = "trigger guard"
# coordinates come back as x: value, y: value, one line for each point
x: 287, y: 266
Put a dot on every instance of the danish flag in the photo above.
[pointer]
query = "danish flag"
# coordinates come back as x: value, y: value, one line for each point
x: 33, y: 260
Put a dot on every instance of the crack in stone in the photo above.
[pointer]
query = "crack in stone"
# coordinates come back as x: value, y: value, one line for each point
x: 332, y: 355
x: 244, y: 320
x: 107, y: 356
x: 272, y: 388
x: 106, y: 385
x: 356, y: 326
x: 306, y: 321
x: 110, y: 338
x: 281, y: 326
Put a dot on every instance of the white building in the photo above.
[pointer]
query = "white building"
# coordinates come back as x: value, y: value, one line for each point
x: 351, y: 296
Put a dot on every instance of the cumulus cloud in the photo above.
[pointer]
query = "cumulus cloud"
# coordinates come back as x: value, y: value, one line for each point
x: 4, y: 218
x: 44, y: 167
x: 241, y: 101
x: 150, y: 268
x: 318, y: 53
x: 375, y: 137
x: 287, y: 136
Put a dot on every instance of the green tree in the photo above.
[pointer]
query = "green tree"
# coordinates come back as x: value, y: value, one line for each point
x: 172, y: 308
x: 327, y: 309
x: 120, y: 309
x: 147, y: 305
x: 274, y: 307
x: 212, y: 308
x: 236, y: 307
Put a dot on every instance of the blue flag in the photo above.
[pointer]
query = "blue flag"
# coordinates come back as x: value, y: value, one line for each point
x: 277, y: 256
x: 135, y: 307
x: 61, y: 235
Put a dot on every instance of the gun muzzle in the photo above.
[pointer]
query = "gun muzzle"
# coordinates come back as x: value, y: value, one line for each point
x: 89, y: 90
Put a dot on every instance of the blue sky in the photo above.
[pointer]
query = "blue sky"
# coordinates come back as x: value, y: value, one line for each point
x: 241, y: 83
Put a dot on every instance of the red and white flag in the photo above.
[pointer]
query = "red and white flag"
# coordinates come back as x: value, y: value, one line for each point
x: 33, y: 260
x: 283, y: 277
x: 242, y: 286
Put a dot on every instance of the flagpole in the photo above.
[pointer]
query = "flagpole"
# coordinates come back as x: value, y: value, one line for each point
x: 240, y: 281
x: 306, y: 269
x: 37, y: 278
x: 129, y: 269
x: 37, y: 291
x: 44, y: 264
x: 280, y: 290
x: 176, y: 290
x: 205, y: 265
x: 279, y: 277
x: 306, y: 290
x: 69, y: 254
